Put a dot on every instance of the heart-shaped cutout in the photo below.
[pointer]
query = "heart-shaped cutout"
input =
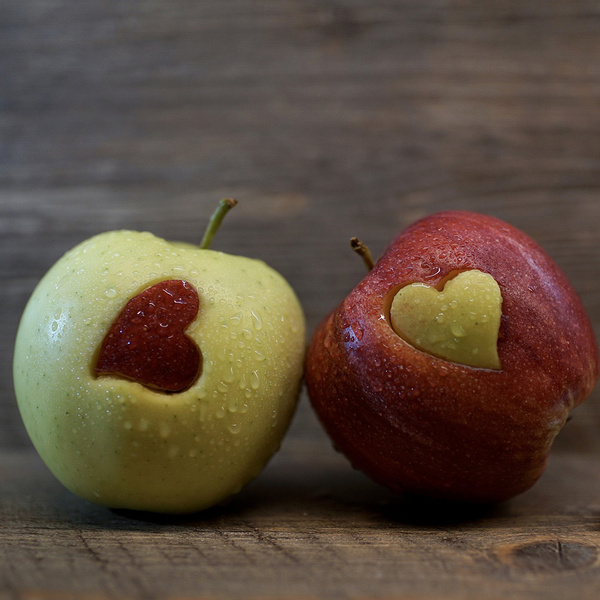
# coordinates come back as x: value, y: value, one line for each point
x: 459, y: 323
x: 147, y: 341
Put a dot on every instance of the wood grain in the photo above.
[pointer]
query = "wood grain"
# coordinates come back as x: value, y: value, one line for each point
x: 304, y: 532
x: 326, y: 120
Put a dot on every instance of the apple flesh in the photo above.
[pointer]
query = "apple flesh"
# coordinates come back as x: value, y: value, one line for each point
x: 420, y: 418
x: 459, y: 323
x: 120, y: 439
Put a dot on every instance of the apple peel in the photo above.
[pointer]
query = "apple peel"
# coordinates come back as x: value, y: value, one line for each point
x: 459, y: 321
x: 429, y: 427
x: 147, y: 343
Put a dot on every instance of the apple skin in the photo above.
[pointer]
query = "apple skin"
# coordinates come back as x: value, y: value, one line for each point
x: 424, y: 426
x: 120, y: 444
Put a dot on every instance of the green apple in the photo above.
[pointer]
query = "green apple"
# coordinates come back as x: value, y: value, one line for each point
x: 118, y: 438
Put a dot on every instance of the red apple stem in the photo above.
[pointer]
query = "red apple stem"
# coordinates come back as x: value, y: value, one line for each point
x: 225, y: 205
x: 363, y: 251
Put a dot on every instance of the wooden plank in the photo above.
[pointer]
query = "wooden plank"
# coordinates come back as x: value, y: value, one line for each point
x: 308, y: 527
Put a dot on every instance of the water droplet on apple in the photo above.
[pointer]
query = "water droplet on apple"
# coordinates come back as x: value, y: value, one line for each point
x: 229, y: 374
x: 234, y: 428
x: 236, y: 319
x: 256, y: 321
x: 110, y: 292
x: 434, y: 271
x: 254, y: 380
x: 359, y: 331
x: 457, y: 330
x: 220, y: 412
x: 242, y: 383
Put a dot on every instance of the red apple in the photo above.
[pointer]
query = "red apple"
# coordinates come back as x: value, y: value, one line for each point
x: 389, y: 371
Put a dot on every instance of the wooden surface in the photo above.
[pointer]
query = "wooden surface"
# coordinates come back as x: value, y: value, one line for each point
x: 326, y: 120
x: 307, y: 528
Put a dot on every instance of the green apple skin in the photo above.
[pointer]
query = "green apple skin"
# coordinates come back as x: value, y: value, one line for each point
x: 426, y: 426
x: 120, y: 444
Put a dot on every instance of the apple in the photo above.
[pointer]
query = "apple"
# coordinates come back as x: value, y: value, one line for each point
x: 451, y: 367
x: 158, y: 376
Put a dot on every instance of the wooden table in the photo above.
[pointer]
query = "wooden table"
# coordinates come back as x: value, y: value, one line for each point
x: 326, y: 120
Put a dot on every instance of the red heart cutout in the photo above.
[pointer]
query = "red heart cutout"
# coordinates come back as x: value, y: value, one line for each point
x: 147, y: 341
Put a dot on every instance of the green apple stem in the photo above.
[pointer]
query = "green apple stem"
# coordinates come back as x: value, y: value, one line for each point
x: 363, y: 251
x: 225, y: 205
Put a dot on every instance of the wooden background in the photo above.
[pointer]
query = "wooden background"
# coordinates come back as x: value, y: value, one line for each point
x: 325, y: 120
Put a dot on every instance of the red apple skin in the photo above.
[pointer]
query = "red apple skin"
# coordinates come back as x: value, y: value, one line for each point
x: 423, y: 425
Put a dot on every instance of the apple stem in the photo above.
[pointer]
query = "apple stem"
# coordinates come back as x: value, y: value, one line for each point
x: 363, y: 251
x: 225, y: 205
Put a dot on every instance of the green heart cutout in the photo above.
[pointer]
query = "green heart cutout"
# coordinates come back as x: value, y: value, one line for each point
x: 458, y: 323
